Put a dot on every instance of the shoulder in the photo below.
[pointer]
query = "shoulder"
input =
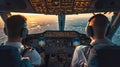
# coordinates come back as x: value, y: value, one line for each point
x: 32, y: 51
x: 81, y: 48
x: 100, y: 45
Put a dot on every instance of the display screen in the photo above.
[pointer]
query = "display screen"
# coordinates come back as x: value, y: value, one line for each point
x: 41, y: 42
x: 76, y: 43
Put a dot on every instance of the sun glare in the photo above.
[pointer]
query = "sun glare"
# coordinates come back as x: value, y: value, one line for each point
x: 42, y: 18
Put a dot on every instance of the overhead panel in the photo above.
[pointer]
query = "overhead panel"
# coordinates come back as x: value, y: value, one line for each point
x: 60, y: 6
x: 56, y: 7
x: 74, y: 6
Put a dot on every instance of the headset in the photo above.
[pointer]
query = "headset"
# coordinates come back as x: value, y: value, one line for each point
x: 5, y: 30
x: 89, y: 29
x: 24, y: 31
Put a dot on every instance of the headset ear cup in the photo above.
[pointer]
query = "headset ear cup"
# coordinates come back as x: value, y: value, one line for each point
x: 24, y: 33
x: 5, y: 31
x: 89, y: 31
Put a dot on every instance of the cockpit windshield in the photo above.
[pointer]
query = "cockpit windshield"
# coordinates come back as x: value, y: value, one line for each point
x: 39, y: 23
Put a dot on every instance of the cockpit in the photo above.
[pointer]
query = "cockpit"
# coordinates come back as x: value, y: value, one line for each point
x: 58, y: 46
x: 56, y: 27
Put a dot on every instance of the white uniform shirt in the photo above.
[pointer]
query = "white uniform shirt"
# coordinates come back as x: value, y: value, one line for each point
x: 33, y: 55
x: 78, y: 56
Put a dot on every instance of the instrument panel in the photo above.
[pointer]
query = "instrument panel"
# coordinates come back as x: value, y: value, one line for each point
x: 55, y: 41
x: 56, y: 38
x: 58, y: 45
x: 61, y: 34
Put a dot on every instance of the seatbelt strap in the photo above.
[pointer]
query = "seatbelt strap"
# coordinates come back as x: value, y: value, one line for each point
x: 87, y: 51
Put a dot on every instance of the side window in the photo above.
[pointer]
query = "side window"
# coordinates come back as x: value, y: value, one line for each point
x: 116, y: 37
x: 3, y: 37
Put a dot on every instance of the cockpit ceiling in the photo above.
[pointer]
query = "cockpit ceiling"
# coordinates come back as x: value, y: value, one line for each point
x: 56, y: 7
x: 74, y: 6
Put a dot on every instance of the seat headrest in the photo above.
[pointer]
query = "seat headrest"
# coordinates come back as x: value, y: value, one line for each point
x: 107, y: 56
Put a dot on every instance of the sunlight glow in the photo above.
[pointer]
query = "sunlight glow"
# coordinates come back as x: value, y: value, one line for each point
x: 41, y: 22
x: 34, y: 17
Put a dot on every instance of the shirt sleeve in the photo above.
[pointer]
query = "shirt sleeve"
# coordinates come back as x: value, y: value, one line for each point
x: 34, y: 57
x: 78, y: 57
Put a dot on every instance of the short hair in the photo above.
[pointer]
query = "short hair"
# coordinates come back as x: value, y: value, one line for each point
x: 100, y: 24
x: 14, y: 25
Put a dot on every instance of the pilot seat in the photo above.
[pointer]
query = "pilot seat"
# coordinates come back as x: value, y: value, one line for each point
x: 10, y: 57
x: 108, y: 56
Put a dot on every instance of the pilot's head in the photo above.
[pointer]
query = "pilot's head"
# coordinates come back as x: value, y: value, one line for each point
x: 97, y: 26
x: 16, y: 27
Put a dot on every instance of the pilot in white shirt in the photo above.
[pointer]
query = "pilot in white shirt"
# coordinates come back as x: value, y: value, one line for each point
x: 96, y: 29
x: 79, y: 59
x: 16, y: 30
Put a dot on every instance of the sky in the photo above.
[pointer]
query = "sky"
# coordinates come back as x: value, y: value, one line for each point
x: 41, y: 18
